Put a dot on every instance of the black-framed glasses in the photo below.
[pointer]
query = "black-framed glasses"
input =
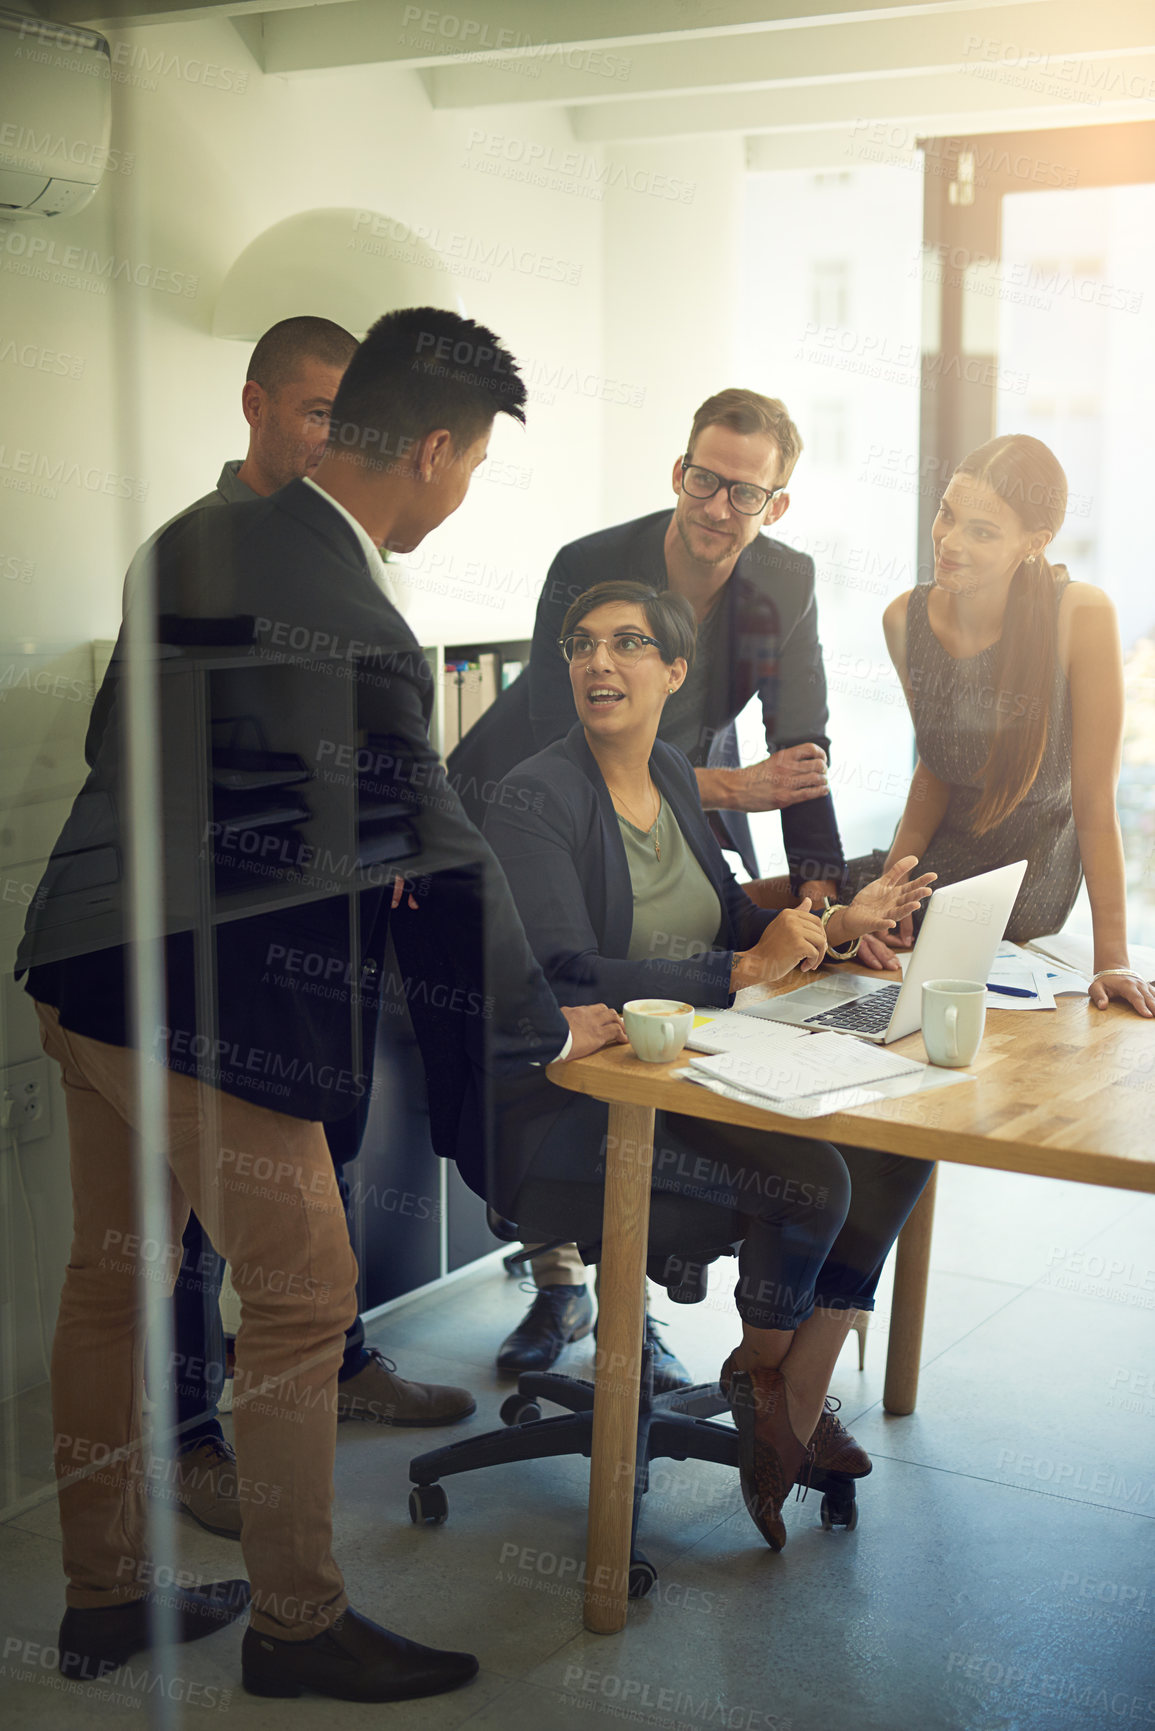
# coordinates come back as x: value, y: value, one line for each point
x: 626, y: 647
x: 744, y: 496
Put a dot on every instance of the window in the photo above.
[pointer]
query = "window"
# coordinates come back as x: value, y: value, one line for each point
x: 838, y: 341
x: 828, y: 441
x: 830, y: 292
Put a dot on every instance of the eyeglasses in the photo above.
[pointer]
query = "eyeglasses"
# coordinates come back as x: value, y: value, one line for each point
x: 744, y: 496
x: 626, y: 647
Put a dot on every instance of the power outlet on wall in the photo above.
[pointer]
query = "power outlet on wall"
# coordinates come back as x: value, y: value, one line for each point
x: 25, y: 1101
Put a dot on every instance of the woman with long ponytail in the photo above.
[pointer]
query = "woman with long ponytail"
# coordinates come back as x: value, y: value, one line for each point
x: 1014, y: 678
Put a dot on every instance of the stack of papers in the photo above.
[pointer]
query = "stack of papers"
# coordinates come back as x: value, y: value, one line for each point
x: 813, y: 1105
x: 818, y: 1064
x: 797, y: 1072
x: 1030, y: 980
x: 839, y: 1099
x: 1018, y: 981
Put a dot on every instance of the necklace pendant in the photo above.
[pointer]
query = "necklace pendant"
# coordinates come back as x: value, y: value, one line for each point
x: 657, y: 850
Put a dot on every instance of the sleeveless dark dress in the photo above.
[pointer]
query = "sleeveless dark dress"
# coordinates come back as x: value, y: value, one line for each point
x: 956, y: 706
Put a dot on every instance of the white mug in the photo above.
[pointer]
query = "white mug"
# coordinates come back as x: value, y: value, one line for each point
x: 658, y: 1027
x: 954, y: 1013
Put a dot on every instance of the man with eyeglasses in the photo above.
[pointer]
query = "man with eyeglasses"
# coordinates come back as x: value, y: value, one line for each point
x: 753, y: 598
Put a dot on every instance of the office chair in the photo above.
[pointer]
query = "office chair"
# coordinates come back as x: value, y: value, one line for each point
x: 685, y: 1237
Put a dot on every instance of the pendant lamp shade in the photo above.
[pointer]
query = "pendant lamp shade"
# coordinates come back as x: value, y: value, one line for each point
x: 346, y: 265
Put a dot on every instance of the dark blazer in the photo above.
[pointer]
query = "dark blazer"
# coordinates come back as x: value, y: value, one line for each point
x: 767, y: 647
x: 294, y: 565
x: 555, y: 831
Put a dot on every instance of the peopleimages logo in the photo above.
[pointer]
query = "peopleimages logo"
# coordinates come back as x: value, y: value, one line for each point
x: 82, y: 265
x: 40, y: 472
x: 36, y: 358
x: 432, y: 32
x: 457, y: 247
x: 571, y: 171
x: 134, y: 63
x: 28, y: 148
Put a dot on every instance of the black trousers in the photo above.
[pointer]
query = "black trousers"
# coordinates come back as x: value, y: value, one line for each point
x: 816, y: 1221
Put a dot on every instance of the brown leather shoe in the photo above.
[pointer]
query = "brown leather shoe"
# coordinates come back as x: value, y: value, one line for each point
x: 206, y: 1485
x: 355, y: 1660
x: 771, y: 1460
x: 380, y: 1396
x: 834, y: 1449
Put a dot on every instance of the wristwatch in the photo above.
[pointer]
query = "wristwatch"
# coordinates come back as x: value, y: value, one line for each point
x: 848, y: 951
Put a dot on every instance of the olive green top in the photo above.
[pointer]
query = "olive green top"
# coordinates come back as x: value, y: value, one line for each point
x: 677, y: 914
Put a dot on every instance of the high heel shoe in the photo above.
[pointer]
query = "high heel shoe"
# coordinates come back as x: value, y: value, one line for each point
x: 771, y: 1460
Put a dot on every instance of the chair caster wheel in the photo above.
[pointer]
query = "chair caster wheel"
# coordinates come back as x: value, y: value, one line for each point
x: 428, y: 1506
x: 643, y: 1575
x: 839, y: 1512
x: 518, y: 1410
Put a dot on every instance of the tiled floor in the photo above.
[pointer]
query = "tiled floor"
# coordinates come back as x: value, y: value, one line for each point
x: 1001, y: 1578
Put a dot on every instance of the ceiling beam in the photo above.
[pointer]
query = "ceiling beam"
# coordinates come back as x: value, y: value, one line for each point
x: 128, y: 14
x: 1094, y: 90
x: 866, y: 144
x: 858, y: 48
x: 404, y: 32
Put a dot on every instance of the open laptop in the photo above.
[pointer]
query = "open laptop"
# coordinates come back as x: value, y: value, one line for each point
x: 962, y: 929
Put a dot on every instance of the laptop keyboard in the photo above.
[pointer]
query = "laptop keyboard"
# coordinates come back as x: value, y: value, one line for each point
x: 868, y: 1015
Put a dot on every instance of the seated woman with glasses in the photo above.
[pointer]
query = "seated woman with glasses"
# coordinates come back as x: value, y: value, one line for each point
x: 624, y: 894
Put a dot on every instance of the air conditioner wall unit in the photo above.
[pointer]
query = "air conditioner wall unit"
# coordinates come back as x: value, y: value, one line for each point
x: 55, y: 115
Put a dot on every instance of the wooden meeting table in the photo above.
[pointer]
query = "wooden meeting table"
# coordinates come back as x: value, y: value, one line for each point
x: 1065, y: 1093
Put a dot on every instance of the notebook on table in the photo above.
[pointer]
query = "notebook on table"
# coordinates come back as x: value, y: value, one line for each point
x: 735, y: 1031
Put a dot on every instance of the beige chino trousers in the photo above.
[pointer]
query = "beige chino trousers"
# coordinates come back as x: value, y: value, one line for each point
x: 264, y: 1187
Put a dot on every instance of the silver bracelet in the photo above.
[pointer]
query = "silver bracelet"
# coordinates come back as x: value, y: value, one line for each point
x: 850, y: 948
x: 1125, y: 973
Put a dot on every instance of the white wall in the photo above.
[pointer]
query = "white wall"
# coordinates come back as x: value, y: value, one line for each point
x: 213, y: 168
x: 672, y: 285
x: 144, y: 401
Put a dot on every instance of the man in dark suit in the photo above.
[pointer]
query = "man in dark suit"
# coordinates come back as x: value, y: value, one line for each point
x: 753, y: 598
x: 291, y: 381
x: 252, y: 1065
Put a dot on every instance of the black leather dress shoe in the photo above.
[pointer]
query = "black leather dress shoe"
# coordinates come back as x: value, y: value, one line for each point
x: 96, y: 1643
x: 669, y: 1372
x: 355, y: 1660
x: 557, y: 1315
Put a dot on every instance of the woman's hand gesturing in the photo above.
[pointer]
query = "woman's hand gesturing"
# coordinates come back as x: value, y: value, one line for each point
x: 881, y: 905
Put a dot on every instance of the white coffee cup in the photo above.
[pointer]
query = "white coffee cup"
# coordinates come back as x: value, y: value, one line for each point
x: 658, y: 1027
x: 954, y: 1013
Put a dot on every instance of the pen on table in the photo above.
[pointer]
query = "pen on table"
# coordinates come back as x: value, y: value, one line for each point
x: 1012, y: 991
